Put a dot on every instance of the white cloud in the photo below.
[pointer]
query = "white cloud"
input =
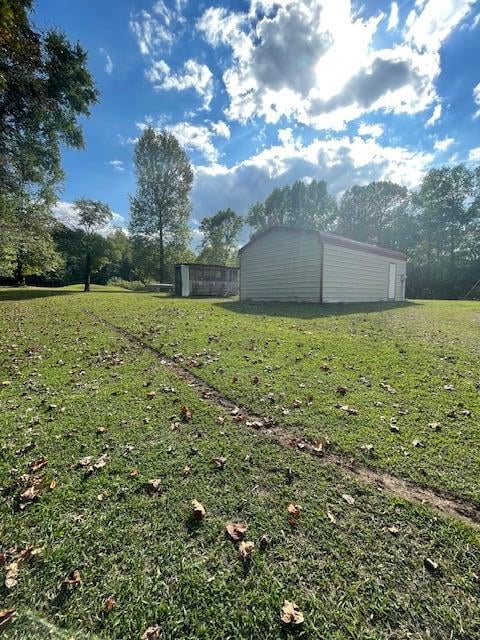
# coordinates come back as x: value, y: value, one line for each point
x: 437, y: 112
x: 443, y: 145
x: 341, y: 161
x: 474, y: 155
x: 221, y: 129
x: 108, y: 61
x: 152, y: 36
x: 195, y: 76
x: 475, y: 22
x: 117, y: 165
x: 393, y: 18
x: 65, y: 213
x: 315, y: 61
x: 476, y: 99
x: 372, y: 130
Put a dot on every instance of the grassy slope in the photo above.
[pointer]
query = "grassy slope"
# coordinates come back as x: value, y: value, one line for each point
x: 352, y: 580
x: 417, y: 349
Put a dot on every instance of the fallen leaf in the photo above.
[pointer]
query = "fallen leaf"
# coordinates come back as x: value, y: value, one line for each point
x: 294, y: 510
x: 11, y: 575
x: 5, y: 383
x: 38, y: 464
x: 101, y: 462
x: 110, y: 602
x: 418, y: 443
x: 291, y: 614
x: 394, y: 530
x: 73, y: 577
x: 246, y: 549
x: 187, y: 470
x: 430, y: 565
x: 152, y: 633
x: 449, y: 387
x: 387, y: 387
x: 236, y: 530
x: 151, y: 395
x: 154, y: 486
x: 436, y: 426
x: 186, y: 414
x: 348, y: 498
x: 6, y: 617
x: 198, y: 510
x: 85, y: 462
x: 348, y: 409
x: 367, y: 447
x: 341, y: 390
x: 219, y: 462
x: 331, y: 517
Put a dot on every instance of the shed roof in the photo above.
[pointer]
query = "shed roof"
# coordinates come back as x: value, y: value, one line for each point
x: 331, y: 238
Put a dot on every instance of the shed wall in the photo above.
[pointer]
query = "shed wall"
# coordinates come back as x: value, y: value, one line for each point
x: 282, y: 266
x: 357, y: 276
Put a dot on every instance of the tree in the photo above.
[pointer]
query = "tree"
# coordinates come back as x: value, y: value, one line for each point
x: 44, y: 86
x: 92, y: 215
x: 450, y: 202
x: 26, y: 243
x: 308, y: 206
x: 369, y: 212
x: 160, y: 208
x: 220, y: 233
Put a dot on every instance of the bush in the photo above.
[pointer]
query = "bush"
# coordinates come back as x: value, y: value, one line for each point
x: 131, y: 285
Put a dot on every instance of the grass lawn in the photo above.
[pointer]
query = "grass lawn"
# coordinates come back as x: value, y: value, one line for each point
x: 292, y: 361
x: 358, y: 564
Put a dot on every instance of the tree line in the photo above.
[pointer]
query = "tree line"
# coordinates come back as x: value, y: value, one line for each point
x: 45, y: 87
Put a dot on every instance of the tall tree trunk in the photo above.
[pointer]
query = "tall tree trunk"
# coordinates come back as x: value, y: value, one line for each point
x: 162, y: 257
x: 19, y: 275
x: 88, y: 271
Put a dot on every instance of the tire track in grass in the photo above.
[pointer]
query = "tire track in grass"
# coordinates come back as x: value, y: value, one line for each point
x: 441, y: 501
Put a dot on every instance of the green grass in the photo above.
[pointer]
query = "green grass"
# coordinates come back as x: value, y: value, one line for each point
x: 352, y: 579
x: 305, y: 352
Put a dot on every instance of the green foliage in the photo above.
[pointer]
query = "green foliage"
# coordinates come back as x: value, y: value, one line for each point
x: 130, y: 285
x: 220, y: 233
x: 26, y: 244
x: 308, y: 206
x: 146, y: 258
x: 45, y: 87
x: 160, y: 208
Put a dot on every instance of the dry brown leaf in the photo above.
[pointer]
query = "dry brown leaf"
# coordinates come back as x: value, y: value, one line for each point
x: 435, y: 426
x: 348, y: 409
x: 394, y: 530
x: 219, y: 462
x: 198, y: 510
x: 341, y: 390
x: 387, y: 387
x: 187, y: 470
x: 11, y: 575
x: 245, y: 550
x: 73, y: 578
x: 331, y: 517
x: 110, y: 602
x: 186, y: 414
x: 151, y: 395
x: 101, y: 462
x: 154, y: 486
x: 294, y: 510
x: 418, y: 443
x: 291, y: 614
x: 236, y: 530
x: 6, y: 617
x: 85, y: 462
x: 348, y: 498
x: 152, y: 633
x: 36, y: 465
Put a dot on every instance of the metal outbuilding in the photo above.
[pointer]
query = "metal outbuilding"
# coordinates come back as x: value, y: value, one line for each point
x: 286, y: 264
x: 195, y: 279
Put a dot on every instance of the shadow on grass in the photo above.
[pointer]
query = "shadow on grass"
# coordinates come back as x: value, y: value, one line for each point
x: 306, y: 311
x: 28, y: 293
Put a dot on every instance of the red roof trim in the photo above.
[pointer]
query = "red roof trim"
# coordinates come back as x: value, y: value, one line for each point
x: 330, y: 238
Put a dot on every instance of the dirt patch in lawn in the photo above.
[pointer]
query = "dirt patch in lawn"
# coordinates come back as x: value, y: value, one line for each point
x: 440, y: 501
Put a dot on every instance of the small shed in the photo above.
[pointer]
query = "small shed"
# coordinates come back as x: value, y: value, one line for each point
x: 285, y: 264
x: 194, y: 279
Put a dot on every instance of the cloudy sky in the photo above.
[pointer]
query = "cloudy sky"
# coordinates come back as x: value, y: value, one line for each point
x: 263, y: 92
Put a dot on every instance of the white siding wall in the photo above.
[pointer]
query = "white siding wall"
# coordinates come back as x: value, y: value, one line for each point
x: 282, y: 266
x: 357, y: 276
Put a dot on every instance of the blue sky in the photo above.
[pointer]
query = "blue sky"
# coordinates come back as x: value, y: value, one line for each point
x: 263, y: 92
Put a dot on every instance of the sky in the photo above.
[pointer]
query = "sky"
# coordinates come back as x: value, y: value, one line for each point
x: 262, y: 93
